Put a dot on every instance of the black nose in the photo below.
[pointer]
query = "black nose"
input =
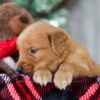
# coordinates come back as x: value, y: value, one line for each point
x: 19, y: 69
x: 24, y: 19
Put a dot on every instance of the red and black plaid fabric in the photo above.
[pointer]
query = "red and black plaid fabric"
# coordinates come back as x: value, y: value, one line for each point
x: 86, y: 88
x: 21, y: 87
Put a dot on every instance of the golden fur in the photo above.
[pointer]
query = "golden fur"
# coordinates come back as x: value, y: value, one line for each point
x: 57, y: 52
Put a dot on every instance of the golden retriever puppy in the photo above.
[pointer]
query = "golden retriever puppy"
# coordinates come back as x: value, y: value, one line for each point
x: 46, y: 50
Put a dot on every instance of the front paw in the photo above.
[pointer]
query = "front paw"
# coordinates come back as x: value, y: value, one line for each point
x: 42, y: 76
x: 62, y: 80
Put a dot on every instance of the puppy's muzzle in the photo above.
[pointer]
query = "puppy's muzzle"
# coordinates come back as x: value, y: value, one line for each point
x: 19, y: 69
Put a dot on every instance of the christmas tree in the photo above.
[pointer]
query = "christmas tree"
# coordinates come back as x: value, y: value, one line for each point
x: 1, y: 1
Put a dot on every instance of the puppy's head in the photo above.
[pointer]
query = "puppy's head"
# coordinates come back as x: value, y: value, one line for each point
x: 40, y: 45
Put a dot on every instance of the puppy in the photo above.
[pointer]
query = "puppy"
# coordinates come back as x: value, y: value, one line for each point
x: 45, y: 49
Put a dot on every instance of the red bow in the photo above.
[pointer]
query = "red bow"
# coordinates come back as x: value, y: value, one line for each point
x: 8, y: 48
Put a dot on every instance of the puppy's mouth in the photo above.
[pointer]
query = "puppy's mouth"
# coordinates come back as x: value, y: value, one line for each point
x: 25, y: 69
x: 28, y: 70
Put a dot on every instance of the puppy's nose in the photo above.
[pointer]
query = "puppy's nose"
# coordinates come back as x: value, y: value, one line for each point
x: 19, y: 69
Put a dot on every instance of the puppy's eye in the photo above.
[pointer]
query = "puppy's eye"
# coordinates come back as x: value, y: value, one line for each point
x: 33, y: 50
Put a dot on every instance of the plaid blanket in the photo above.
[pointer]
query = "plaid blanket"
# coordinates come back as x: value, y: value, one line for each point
x: 21, y: 87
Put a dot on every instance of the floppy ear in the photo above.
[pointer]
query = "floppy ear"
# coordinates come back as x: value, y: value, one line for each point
x: 58, y: 42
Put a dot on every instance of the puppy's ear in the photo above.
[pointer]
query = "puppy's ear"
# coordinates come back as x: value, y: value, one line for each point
x: 58, y: 42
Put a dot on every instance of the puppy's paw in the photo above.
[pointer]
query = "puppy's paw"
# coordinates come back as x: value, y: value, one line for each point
x: 42, y: 76
x: 62, y: 80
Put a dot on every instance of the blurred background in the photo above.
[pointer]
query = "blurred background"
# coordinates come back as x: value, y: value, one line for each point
x: 81, y: 18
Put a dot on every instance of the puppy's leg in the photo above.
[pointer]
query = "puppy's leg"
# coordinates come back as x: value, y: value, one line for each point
x: 63, y: 77
x: 42, y: 76
x: 74, y: 66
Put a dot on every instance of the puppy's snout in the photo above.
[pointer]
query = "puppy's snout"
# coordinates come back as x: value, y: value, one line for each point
x: 20, y: 69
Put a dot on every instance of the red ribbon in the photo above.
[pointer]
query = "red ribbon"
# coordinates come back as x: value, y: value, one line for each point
x: 8, y: 48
